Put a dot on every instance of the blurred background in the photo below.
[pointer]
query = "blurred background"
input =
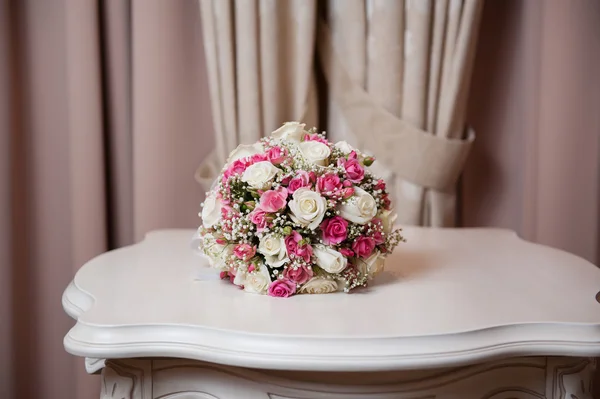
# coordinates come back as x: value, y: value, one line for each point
x: 114, y: 113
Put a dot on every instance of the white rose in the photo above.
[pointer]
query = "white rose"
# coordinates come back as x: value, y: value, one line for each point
x: 360, y: 208
x: 319, y: 285
x: 373, y: 265
x: 245, y: 150
x: 329, y: 259
x: 315, y: 152
x: 257, y: 281
x: 308, y: 207
x: 260, y: 174
x: 346, y: 149
x: 216, y: 253
x: 211, y: 211
x: 388, y: 218
x: 273, y: 248
x: 292, y: 131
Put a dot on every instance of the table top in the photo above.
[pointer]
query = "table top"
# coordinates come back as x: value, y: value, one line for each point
x: 447, y: 297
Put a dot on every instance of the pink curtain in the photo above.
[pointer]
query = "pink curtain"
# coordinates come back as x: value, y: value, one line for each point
x: 104, y: 118
x: 535, y: 101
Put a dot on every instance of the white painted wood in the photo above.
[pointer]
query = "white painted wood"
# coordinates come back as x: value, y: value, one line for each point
x: 517, y: 378
x: 449, y: 297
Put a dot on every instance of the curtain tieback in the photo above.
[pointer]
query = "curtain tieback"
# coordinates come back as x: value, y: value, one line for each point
x: 412, y: 153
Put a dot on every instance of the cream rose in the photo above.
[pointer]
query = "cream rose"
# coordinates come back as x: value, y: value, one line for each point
x: 260, y: 174
x: 292, y: 131
x: 346, y: 149
x: 273, y: 248
x: 319, y: 285
x: 360, y: 208
x: 329, y: 259
x: 257, y: 281
x: 216, y: 253
x: 315, y: 152
x: 388, y: 218
x: 308, y: 207
x: 211, y: 211
x: 373, y: 264
x: 245, y: 150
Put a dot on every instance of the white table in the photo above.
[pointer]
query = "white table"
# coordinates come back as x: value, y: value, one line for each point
x: 458, y: 313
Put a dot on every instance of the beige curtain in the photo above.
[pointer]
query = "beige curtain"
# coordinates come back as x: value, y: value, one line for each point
x: 260, y: 67
x: 103, y: 120
x: 410, y: 63
x: 396, y: 72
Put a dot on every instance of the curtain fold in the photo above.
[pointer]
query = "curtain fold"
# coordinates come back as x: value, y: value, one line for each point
x: 260, y: 67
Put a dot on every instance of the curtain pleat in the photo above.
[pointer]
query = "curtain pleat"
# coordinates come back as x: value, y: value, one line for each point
x: 214, y: 70
x: 463, y: 24
x: 408, y: 195
x: 347, y: 19
x: 86, y: 144
x: 7, y: 123
x: 385, y: 60
x: 116, y: 63
x: 248, y: 48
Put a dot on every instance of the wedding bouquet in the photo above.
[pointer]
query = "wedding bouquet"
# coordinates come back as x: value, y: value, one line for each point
x: 297, y: 214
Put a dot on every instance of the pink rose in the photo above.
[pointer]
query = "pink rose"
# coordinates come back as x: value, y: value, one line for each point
x: 282, y: 288
x: 236, y: 168
x: 347, y: 252
x: 380, y: 185
x: 328, y: 183
x: 228, y: 212
x: 273, y: 200
x: 363, y: 246
x: 347, y: 192
x: 258, y: 158
x: 244, y: 252
x: 354, y: 170
x: 301, y: 180
x: 260, y: 218
x: 387, y: 204
x: 286, y: 180
x: 335, y: 230
x: 378, y: 237
x: 299, y: 274
x: 293, y: 246
x: 315, y: 137
x: 276, y: 155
